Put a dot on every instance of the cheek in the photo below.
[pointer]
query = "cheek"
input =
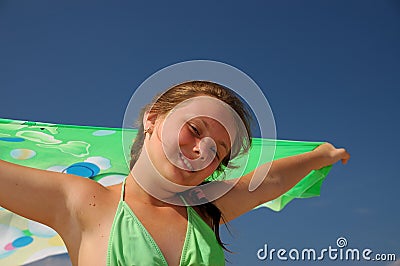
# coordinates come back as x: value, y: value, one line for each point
x: 168, y: 142
x: 185, y: 136
x: 211, y: 168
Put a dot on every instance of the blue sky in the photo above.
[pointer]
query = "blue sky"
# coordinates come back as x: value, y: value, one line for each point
x: 330, y: 70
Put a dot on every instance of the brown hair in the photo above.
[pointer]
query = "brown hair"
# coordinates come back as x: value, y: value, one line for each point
x: 164, y: 103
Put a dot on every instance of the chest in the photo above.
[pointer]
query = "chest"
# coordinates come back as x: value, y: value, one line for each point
x: 165, y: 228
x: 146, y: 230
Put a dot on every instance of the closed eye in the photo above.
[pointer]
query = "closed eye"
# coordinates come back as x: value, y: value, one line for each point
x: 195, y: 130
x: 215, y: 152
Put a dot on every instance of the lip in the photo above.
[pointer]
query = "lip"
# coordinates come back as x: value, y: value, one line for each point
x: 186, y: 164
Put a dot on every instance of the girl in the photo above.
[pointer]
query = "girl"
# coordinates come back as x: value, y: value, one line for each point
x: 191, y: 132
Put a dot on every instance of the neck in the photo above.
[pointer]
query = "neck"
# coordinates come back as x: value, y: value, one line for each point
x: 152, y: 187
x: 158, y: 198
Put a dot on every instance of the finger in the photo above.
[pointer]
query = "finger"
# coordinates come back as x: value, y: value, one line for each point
x: 345, y: 157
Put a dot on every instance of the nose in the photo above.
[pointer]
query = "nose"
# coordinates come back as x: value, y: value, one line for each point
x: 203, y: 148
x: 197, y: 149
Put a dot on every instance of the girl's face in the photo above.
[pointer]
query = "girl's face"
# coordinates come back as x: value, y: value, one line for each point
x: 188, y: 144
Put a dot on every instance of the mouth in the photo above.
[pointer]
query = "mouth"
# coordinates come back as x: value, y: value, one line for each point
x: 186, y: 163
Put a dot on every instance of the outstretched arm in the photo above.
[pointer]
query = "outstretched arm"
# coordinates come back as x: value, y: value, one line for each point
x: 283, y: 174
x: 43, y: 196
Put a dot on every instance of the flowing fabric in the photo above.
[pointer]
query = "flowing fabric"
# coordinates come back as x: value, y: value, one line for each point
x: 97, y: 153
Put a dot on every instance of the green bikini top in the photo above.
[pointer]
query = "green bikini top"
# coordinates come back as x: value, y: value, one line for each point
x: 131, y: 244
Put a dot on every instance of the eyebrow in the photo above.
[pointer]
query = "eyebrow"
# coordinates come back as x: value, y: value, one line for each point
x: 220, y: 142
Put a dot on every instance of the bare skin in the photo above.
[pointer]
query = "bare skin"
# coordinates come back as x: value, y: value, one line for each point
x: 82, y: 211
x: 85, y: 209
x: 87, y: 243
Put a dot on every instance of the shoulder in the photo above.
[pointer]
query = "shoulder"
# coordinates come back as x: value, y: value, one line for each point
x: 96, y: 199
x: 92, y: 209
x: 89, y: 201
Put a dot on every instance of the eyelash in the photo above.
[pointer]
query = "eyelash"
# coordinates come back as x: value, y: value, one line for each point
x: 216, y: 153
x: 197, y: 132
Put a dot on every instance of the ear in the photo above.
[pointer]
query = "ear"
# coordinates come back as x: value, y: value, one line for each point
x: 149, y: 120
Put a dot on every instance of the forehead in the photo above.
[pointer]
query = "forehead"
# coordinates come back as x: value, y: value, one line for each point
x: 206, y: 106
x: 218, y: 116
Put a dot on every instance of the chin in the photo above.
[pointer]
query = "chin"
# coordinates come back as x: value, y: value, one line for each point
x: 182, y: 177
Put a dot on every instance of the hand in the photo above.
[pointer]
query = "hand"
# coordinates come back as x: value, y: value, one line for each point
x: 330, y: 155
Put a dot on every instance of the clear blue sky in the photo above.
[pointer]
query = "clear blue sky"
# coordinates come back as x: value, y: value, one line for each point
x: 330, y: 70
